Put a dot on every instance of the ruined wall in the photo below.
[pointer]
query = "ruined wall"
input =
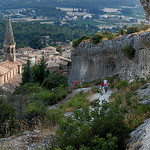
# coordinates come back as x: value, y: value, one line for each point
x: 92, y: 61
x: 146, y: 7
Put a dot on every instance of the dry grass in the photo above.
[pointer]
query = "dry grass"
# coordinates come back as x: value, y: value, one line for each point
x: 87, y: 40
x: 69, y: 109
x: 135, y: 146
x: 104, y: 39
x: 142, y: 31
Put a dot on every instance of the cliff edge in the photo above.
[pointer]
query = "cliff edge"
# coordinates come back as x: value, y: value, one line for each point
x: 92, y: 61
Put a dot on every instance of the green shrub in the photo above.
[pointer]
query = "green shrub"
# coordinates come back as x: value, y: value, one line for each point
x: 54, y: 80
x: 121, y: 83
x: 133, y: 29
x: 129, y: 52
x: 34, y: 110
x: 143, y: 109
x: 77, y: 101
x: 7, y: 119
x: 55, y: 115
x: 86, y: 84
x: 133, y: 121
x: 122, y: 31
x: 104, y: 144
x: 97, y: 38
x: 102, y: 128
x: 96, y: 90
x: 28, y: 88
x: 96, y: 82
x: 60, y: 93
x: 76, y: 42
x: 48, y: 97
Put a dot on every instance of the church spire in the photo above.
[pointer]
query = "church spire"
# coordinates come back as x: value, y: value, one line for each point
x: 9, y: 37
x: 9, y: 43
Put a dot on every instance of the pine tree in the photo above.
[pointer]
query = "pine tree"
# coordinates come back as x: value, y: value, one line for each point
x: 27, y: 74
x: 43, y: 70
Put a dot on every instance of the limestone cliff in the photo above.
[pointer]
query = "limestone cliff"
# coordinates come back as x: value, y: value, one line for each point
x: 92, y: 61
x: 146, y: 7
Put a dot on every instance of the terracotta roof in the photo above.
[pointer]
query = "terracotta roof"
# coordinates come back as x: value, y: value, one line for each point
x: 26, y: 49
x: 9, y: 64
x: 3, y: 70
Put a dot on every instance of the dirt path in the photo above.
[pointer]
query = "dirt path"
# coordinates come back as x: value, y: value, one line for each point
x: 101, y: 97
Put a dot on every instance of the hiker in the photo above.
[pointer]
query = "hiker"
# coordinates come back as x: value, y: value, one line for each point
x: 81, y: 82
x: 76, y: 83
x: 102, y: 85
x: 105, y: 81
x: 106, y: 87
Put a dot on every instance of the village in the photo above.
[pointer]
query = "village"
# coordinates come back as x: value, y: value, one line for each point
x: 12, y: 61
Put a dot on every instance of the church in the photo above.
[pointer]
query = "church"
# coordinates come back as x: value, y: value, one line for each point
x: 9, y: 67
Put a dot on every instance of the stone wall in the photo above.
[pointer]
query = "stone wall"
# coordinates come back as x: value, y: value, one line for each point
x: 92, y: 61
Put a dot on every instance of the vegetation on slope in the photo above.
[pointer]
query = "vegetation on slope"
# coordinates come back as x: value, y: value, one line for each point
x: 101, y: 36
x: 27, y: 34
x: 104, y: 127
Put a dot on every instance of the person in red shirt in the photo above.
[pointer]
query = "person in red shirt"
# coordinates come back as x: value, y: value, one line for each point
x: 76, y: 83
x: 102, y: 84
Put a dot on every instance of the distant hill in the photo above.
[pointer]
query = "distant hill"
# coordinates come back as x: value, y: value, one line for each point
x: 9, y: 4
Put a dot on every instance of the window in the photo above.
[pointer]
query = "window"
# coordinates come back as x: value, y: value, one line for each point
x: 8, y: 50
x: 11, y: 50
x: 4, y: 78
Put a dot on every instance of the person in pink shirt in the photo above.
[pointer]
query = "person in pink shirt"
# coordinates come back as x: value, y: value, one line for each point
x: 106, y: 87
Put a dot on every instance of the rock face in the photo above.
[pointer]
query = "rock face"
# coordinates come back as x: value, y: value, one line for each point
x: 92, y: 61
x: 141, y: 135
x: 146, y: 7
x: 144, y: 94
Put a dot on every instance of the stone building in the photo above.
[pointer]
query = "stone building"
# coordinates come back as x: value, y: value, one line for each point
x: 9, y: 67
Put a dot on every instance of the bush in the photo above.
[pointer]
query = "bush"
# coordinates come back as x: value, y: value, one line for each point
x: 33, y: 110
x: 121, y: 83
x: 55, y: 115
x: 76, y: 42
x: 86, y: 84
x: 96, y: 90
x: 102, y: 128
x: 60, y: 93
x: 54, y: 80
x: 129, y: 52
x: 104, y: 144
x: 7, y: 119
x: 28, y: 88
x: 133, y: 121
x: 77, y: 101
x: 48, y: 97
x: 97, y: 38
x: 133, y: 29
x: 122, y: 31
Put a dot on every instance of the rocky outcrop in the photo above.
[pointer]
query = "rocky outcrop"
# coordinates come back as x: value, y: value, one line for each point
x: 146, y: 7
x: 92, y: 61
x: 141, y: 137
x: 144, y: 94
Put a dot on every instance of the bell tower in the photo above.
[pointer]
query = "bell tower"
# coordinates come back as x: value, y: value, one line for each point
x: 9, y: 44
